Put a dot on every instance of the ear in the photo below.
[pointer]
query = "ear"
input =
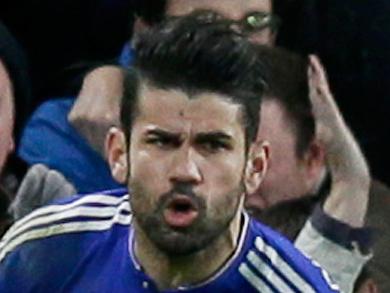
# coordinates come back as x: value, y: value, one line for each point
x: 257, y: 165
x: 368, y: 286
x: 116, y: 152
x: 314, y: 163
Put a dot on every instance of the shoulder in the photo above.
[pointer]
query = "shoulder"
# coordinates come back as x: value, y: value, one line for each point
x: 58, y: 105
x: 284, y: 267
x: 48, y: 247
x: 50, y: 117
x: 87, y: 213
x: 50, y: 121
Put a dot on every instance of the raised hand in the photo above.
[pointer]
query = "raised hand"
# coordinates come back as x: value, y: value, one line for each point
x: 347, y: 165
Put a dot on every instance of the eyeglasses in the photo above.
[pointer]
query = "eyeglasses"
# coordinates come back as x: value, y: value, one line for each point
x: 252, y: 22
x: 257, y: 21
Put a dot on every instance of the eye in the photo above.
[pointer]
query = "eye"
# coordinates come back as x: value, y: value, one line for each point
x: 256, y: 21
x: 162, y: 141
x: 214, y: 146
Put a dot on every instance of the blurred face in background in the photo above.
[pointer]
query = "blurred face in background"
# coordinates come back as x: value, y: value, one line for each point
x: 253, y: 14
x: 6, y: 116
x: 290, y: 175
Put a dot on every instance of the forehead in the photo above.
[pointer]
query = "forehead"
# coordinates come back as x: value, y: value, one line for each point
x: 175, y: 110
x: 233, y: 9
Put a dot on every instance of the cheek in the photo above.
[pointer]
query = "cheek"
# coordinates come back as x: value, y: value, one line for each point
x: 225, y: 191
x: 150, y: 170
x: 221, y: 177
x: 264, y: 37
x: 146, y: 182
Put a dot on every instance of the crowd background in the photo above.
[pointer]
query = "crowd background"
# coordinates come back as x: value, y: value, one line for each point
x: 64, y: 38
x: 350, y: 37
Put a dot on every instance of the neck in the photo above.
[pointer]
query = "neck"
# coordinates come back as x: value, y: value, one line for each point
x: 171, y: 272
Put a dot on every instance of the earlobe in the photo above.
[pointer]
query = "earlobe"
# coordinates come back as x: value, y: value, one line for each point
x: 116, y: 151
x: 257, y: 166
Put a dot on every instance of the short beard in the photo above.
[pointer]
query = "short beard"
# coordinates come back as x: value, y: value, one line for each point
x: 185, y: 241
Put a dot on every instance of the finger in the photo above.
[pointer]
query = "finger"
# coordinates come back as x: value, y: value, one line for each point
x: 315, y: 91
x: 320, y: 72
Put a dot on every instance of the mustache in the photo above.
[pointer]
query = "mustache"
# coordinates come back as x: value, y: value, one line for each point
x: 185, y: 189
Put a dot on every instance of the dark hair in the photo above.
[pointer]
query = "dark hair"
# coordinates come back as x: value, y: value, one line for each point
x: 154, y: 11
x: 196, y: 55
x: 287, y: 217
x: 288, y: 85
x: 15, y: 63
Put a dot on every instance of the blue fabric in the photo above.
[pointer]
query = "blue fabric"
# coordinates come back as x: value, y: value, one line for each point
x: 49, y: 139
x: 86, y: 244
x: 127, y: 56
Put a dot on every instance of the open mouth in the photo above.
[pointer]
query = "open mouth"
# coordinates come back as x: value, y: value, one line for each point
x: 180, y: 212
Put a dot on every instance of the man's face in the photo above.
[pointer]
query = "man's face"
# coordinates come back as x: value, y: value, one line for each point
x: 6, y: 116
x: 231, y: 9
x: 286, y: 177
x: 187, y: 158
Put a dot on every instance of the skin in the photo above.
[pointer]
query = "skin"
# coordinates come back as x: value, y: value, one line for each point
x: 333, y: 148
x: 98, y: 100
x: 93, y: 119
x: 344, y: 159
x: 368, y: 286
x: 289, y: 176
x: 231, y: 9
x: 198, y: 143
x: 6, y: 116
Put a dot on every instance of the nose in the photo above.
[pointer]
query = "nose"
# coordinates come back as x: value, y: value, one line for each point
x: 185, y: 168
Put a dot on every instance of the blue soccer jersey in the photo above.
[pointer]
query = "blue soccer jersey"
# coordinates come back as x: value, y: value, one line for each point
x: 86, y: 245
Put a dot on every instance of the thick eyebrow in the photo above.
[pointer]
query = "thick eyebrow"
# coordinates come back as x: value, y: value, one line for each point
x: 162, y: 133
x: 167, y: 136
x: 214, y: 135
x: 200, y: 137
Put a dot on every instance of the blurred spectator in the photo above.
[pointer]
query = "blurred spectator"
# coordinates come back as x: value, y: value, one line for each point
x: 14, y: 94
x: 101, y: 93
x: 300, y: 145
x: 14, y: 70
x: 351, y: 37
x: 77, y: 157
